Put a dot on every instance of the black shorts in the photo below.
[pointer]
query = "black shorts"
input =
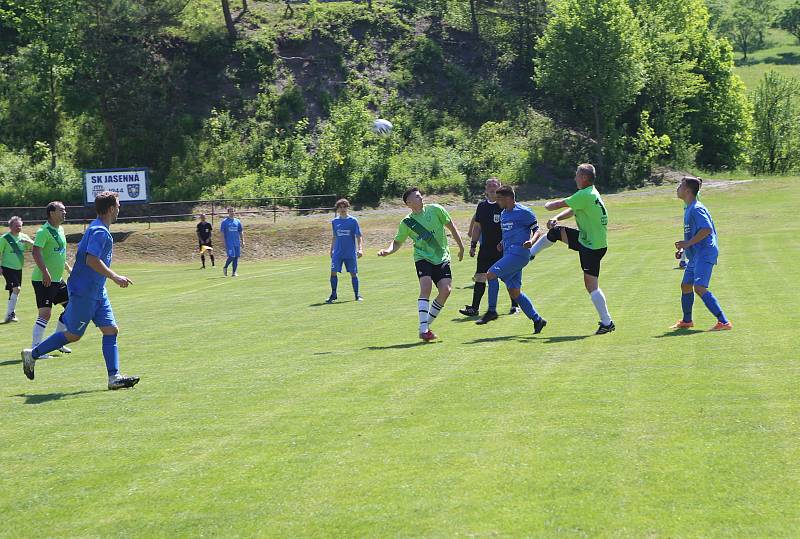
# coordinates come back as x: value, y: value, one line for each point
x: 47, y: 296
x: 206, y: 242
x: 436, y: 272
x: 590, y: 258
x: 13, y: 278
x: 487, y: 256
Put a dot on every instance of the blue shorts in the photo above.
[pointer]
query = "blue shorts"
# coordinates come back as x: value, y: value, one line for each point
x: 698, y: 273
x: 82, y: 309
x: 234, y: 252
x: 350, y: 264
x: 509, y: 269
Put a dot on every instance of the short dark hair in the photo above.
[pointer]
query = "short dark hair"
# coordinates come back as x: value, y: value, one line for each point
x: 105, y: 201
x: 408, y: 193
x: 53, y: 206
x: 693, y: 184
x: 506, y: 191
x: 587, y: 169
x: 342, y: 202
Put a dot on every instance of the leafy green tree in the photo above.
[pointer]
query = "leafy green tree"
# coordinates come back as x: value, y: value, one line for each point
x: 776, y: 115
x: 746, y: 23
x: 789, y: 20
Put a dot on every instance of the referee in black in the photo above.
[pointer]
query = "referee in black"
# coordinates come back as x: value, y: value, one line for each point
x: 485, y: 227
x: 204, y: 239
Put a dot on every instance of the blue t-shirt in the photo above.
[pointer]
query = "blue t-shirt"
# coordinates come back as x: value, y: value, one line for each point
x: 345, y: 231
x: 231, y: 228
x: 695, y: 218
x: 517, y: 224
x: 84, y: 281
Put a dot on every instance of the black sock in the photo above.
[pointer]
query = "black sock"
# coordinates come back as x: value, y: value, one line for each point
x: 203, y: 260
x: 477, y: 294
x: 514, y: 303
x: 212, y: 259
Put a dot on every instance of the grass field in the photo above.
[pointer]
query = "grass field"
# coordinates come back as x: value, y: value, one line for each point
x: 263, y: 412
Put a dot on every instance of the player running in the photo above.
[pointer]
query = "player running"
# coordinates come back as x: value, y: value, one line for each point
x: 50, y: 256
x: 589, y: 239
x: 88, y: 299
x: 701, y: 247
x: 347, y: 246
x: 232, y: 241
x: 12, y: 257
x: 204, y: 240
x: 425, y: 226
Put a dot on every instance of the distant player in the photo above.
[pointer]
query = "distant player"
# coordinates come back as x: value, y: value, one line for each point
x: 589, y: 239
x: 519, y: 226
x: 204, y: 240
x: 425, y: 226
x: 485, y: 229
x: 232, y: 241
x: 88, y: 299
x: 347, y: 246
x: 50, y: 256
x: 12, y: 257
x: 701, y: 247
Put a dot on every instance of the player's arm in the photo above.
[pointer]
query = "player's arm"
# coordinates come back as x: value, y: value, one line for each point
x: 702, y: 234
x: 241, y: 237
x: 566, y: 214
x: 471, y: 229
x: 360, y: 248
x: 100, y: 267
x: 454, y: 231
x: 556, y: 204
x: 393, y: 248
x: 37, y: 257
x: 333, y: 243
x: 475, y: 233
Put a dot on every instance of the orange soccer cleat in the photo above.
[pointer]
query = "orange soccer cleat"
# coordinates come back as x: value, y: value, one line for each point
x: 680, y: 324
x: 722, y: 327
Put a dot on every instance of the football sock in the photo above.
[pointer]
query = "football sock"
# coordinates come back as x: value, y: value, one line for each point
x: 12, y: 303
x: 514, y: 303
x: 494, y: 290
x: 687, y: 300
x: 477, y: 294
x: 212, y: 259
x: 60, y: 326
x: 540, y: 245
x: 422, y: 307
x: 334, y: 284
x: 713, y: 305
x: 53, y: 342
x: 599, y: 300
x: 433, y: 312
x: 111, y: 354
x: 235, y: 263
x: 228, y: 262
x: 527, y: 307
x: 203, y: 260
x: 38, y: 331
x: 354, y: 280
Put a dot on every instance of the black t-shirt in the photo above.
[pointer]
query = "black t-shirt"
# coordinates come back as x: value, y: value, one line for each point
x: 488, y: 216
x: 204, y: 230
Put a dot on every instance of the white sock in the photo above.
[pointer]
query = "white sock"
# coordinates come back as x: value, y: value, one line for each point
x: 38, y: 331
x: 422, y: 307
x: 683, y: 257
x: 433, y: 312
x: 599, y: 301
x: 540, y: 245
x: 60, y: 327
x: 12, y: 303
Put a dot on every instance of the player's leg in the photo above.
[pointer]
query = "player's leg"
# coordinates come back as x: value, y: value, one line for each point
x: 478, y: 290
x: 13, y: 282
x: 76, y: 317
x: 105, y: 321
x: 423, y: 303
x: 548, y: 240
x: 62, y: 298
x: 590, y: 263
x: 687, y: 299
x: 351, y: 265
x: 702, y: 278
x: 235, y: 264
x: 336, y: 268
x: 202, y: 254
x: 44, y: 304
x: 443, y: 287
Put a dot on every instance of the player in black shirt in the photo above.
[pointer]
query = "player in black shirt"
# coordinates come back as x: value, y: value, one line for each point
x: 486, y: 227
x: 204, y: 239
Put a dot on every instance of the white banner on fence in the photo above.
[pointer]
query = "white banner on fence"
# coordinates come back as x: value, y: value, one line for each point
x: 131, y: 184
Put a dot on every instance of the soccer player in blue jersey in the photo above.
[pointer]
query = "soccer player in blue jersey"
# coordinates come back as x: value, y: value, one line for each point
x: 519, y: 225
x: 347, y: 247
x: 700, y: 245
x: 232, y: 241
x: 88, y: 299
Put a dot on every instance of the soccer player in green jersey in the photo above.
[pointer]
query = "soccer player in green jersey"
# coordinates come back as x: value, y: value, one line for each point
x: 590, y: 239
x: 50, y: 254
x: 12, y: 257
x: 425, y: 226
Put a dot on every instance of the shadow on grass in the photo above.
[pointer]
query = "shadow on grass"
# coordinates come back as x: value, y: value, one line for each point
x: 9, y: 362
x: 562, y: 338
x: 678, y: 333
x: 398, y: 346
x: 48, y: 397
x: 497, y: 339
x: 462, y: 319
x: 783, y: 58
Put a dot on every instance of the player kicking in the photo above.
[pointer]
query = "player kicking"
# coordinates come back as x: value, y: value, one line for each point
x: 425, y: 226
x: 50, y: 255
x: 88, y: 299
x: 347, y: 247
x: 519, y: 226
x: 232, y: 241
x: 700, y: 245
x: 12, y: 257
x: 204, y: 240
x: 590, y: 239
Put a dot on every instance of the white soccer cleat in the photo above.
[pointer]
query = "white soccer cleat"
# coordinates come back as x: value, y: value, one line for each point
x: 225, y: 272
x: 65, y: 350
x: 28, y: 363
x: 119, y: 381
x: 235, y: 274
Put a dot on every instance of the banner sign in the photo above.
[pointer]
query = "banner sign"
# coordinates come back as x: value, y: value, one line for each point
x: 131, y: 184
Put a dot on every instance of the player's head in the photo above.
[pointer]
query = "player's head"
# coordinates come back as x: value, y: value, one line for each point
x: 585, y: 175
x: 106, y: 204
x: 202, y: 217
x: 413, y: 198
x: 56, y: 213
x: 231, y: 213
x: 492, y: 185
x: 342, y: 206
x: 689, y: 187
x: 506, y: 197
x: 15, y: 224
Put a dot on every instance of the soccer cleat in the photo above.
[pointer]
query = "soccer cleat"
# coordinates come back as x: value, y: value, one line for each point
x: 225, y: 272
x: 11, y: 318
x: 331, y: 299
x: 515, y: 309
x: 119, y: 381
x: 487, y: 317
x: 602, y: 330
x: 359, y: 298
x: 538, y: 325
x: 427, y: 336
x: 28, y: 363
x: 65, y: 350
x: 235, y: 274
x: 680, y: 324
x: 682, y: 264
x: 719, y: 326
x: 469, y: 310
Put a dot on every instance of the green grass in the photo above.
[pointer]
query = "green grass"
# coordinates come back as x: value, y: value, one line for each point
x: 262, y: 412
x: 781, y: 54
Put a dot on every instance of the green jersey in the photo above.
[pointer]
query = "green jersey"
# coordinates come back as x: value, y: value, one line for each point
x: 53, y: 245
x: 12, y: 249
x: 426, y: 230
x: 591, y: 216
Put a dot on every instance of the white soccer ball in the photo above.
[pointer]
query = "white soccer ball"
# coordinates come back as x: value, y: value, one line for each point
x: 382, y: 127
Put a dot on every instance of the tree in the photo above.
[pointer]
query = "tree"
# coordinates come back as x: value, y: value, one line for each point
x: 776, y: 115
x: 226, y: 12
x: 592, y: 60
x: 746, y: 23
x: 789, y: 20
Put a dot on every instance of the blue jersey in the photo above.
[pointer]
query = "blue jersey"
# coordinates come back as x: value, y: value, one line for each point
x: 345, y: 232
x: 84, y: 281
x: 517, y: 224
x: 695, y: 218
x: 231, y: 228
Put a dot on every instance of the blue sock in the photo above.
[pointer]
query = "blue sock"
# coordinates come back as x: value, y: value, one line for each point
x: 713, y: 306
x: 494, y: 288
x: 228, y: 262
x: 235, y: 263
x: 53, y: 342
x: 687, y: 300
x: 111, y: 354
x: 334, y: 284
x: 527, y: 307
x: 354, y: 280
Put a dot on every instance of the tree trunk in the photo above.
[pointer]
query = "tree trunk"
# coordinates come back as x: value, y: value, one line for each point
x: 226, y: 11
x: 244, y: 5
x: 53, y: 114
x: 474, y: 18
x: 598, y: 137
